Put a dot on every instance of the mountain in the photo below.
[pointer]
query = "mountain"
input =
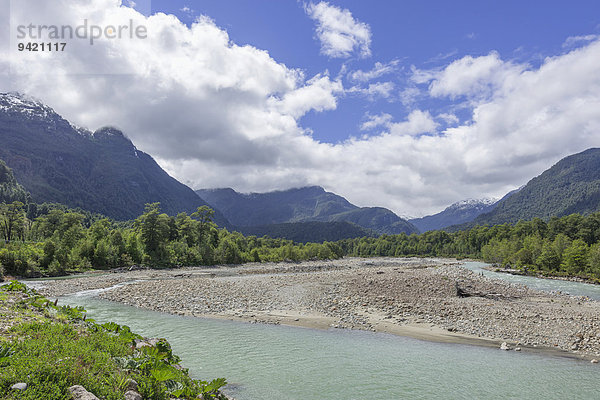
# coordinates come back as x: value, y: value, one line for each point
x: 305, y: 204
x: 458, y: 213
x: 303, y: 232
x: 10, y: 190
x: 570, y: 186
x: 99, y: 171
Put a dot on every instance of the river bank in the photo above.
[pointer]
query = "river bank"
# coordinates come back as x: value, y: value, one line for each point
x: 540, y: 275
x: 51, y: 352
x: 423, y: 298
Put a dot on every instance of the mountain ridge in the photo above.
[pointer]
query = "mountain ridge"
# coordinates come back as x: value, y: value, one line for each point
x: 457, y: 213
x: 100, y: 171
x: 305, y: 204
x: 572, y: 185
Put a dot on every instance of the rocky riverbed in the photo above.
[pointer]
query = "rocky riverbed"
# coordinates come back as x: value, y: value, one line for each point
x: 424, y: 298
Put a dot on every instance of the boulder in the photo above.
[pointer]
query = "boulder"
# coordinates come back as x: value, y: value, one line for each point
x: 132, y: 385
x: 131, y: 395
x: 78, y: 392
x: 504, y: 346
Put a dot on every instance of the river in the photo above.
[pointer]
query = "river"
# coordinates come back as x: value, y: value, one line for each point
x: 279, y: 362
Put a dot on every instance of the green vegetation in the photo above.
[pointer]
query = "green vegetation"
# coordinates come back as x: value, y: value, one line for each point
x: 567, y: 246
x: 10, y: 190
x: 65, y: 241
x: 54, y: 348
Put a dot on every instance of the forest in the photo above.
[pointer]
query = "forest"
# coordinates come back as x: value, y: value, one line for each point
x: 51, y: 240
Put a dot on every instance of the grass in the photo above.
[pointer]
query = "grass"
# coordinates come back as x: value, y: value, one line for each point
x: 52, y: 348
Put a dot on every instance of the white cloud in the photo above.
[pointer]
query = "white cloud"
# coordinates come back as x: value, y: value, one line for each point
x: 217, y: 114
x: 471, y: 76
x: 378, y: 70
x: 573, y: 41
x: 448, y: 118
x: 374, y: 90
x: 339, y: 33
x: 373, y: 121
x: 187, y: 11
x: 418, y: 122
x: 317, y: 94
x: 409, y: 96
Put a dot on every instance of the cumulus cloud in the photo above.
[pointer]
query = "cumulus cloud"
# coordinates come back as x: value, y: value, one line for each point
x: 418, y: 122
x: 217, y: 114
x: 340, y: 34
x: 471, y: 76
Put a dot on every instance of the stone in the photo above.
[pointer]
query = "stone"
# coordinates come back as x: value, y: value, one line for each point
x: 78, y: 392
x: 132, y: 385
x: 517, y: 349
x: 131, y: 395
x: 504, y: 346
x: 594, y: 361
x: 141, y: 344
x: 19, y: 386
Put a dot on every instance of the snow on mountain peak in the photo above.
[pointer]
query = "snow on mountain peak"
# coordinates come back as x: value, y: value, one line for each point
x: 472, y: 203
x: 14, y: 102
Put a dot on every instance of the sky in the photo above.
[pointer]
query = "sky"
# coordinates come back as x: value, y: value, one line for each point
x: 409, y: 105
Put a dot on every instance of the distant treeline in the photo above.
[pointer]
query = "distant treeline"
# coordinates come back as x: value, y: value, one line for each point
x: 56, y: 241
x: 52, y: 240
x: 567, y: 246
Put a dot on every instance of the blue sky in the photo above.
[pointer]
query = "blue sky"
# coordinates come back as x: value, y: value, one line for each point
x: 425, y: 34
x: 409, y: 105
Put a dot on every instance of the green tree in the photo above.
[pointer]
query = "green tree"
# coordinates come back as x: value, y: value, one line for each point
x: 548, y: 260
x: 155, y: 230
x: 575, y: 257
x: 12, y: 220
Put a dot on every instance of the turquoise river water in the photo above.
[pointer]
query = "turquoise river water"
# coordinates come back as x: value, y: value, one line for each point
x: 279, y: 362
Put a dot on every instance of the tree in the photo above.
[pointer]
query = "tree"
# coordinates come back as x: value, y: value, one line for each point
x: 155, y: 229
x: 575, y: 257
x: 12, y: 220
x: 548, y: 260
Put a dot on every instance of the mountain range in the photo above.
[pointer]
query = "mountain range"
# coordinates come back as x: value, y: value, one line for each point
x: 457, y: 213
x: 48, y: 159
x: 306, y: 204
x: 570, y: 186
x: 99, y: 171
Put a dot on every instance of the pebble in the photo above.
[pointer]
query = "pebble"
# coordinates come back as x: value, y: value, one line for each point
x: 352, y: 292
x: 19, y: 386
